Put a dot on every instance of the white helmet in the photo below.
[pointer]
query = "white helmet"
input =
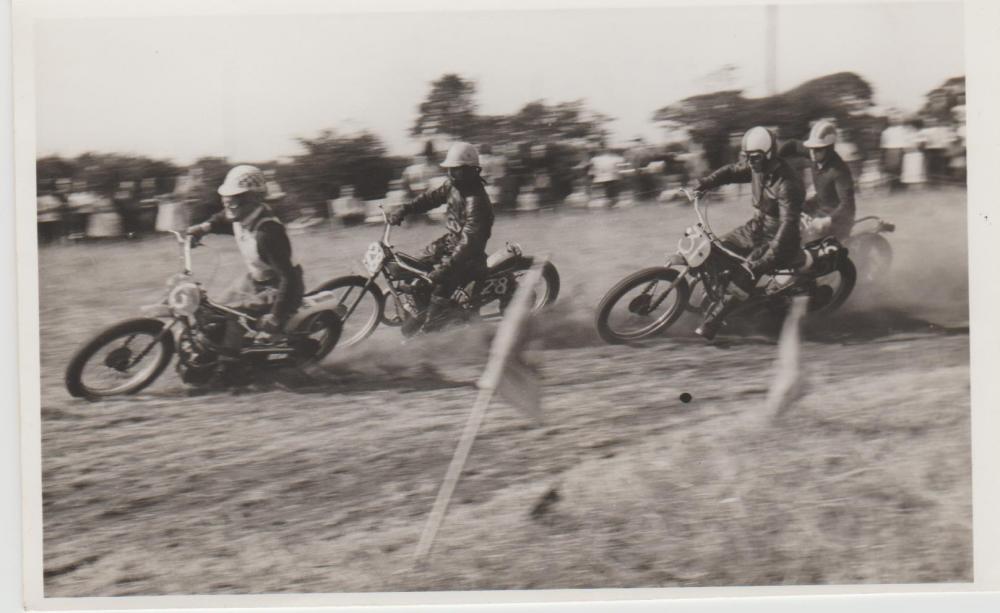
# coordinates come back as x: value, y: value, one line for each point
x: 461, y: 154
x: 241, y: 179
x: 823, y: 134
x: 759, y: 139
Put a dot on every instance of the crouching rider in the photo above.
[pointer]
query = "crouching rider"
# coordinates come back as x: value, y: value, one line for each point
x: 771, y: 238
x: 459, y: 256
x: 272, y: 289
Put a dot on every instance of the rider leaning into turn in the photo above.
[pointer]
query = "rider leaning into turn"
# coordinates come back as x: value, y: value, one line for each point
x: 272, y: 288
x: 459, y: 256
x: 771, y: 238
x: 832, y: 207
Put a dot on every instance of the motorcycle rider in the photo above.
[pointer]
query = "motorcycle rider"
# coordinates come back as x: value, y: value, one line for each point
x: 459, y: 256
x: 832, y: 207
x: 272, y: 289
x: 771, y: 238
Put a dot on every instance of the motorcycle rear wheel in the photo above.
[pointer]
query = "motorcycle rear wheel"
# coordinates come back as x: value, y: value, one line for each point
x: 549, y: 288
x: 639, y: 307
x: 327, y: 323
x: 119, y: 359
x: 841, y: 292
x: 873, y: 255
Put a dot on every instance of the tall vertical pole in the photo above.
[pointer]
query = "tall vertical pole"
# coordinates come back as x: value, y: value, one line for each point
x: 771, y: 48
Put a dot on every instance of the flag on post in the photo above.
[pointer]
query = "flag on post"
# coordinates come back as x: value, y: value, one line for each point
x: 788, y: 386
x: 506, y: 373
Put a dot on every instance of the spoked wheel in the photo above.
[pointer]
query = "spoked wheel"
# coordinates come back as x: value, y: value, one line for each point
x: 122, y: 359
x: 319, y: 335
x: 641, y: 305
x: 873, y: 255
x: 832, y: 290
x: 359, y: 303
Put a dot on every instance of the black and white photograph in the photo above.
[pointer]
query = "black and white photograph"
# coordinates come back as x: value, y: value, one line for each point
x: 326, y: 299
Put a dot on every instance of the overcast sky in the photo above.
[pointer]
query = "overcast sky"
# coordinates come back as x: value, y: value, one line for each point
x: 245, y: 87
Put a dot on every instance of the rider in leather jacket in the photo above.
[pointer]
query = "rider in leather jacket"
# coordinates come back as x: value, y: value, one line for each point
x: 833, y: 207
x: 459, y: 256
x: 771, y: 238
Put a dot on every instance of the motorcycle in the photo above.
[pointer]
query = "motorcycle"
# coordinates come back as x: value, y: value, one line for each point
x: 699, y: 274
x: 404, y: 301
x: 128, y: 356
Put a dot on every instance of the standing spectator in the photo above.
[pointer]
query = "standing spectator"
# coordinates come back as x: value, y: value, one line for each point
x: 126, y: 203
x: 956, y: 162
x: 419, y: 176
x: 274, y: 192
x: 347, y: 208
x: 914, y: 171
x: 938, y: 138
x: 605, y: 175
x: 82, y: 203
x: 49, y: 217
x: 494, y: 171
x: 893, y: 144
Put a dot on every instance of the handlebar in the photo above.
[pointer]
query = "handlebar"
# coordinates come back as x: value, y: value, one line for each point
x: 388, y: 226
x: 695, y: 199
x: 385, y: 240
x: 187, y: 242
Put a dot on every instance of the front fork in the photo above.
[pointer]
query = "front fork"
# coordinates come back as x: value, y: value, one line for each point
x: 682, y: 270
x: 138, y: 358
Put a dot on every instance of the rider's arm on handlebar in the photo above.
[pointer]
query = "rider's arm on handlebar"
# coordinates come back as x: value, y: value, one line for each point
x: 430, y: 199
x: 731, y: 173
x: 216, y: 224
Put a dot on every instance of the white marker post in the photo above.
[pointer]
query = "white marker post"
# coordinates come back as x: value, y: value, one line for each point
x: 506, y: 347
x: 787, y: 385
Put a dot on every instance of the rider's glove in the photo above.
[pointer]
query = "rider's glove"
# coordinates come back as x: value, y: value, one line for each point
x: 197, y: 230
x: 436, y: 275
x: 268, y: 324
x: 396, y: 217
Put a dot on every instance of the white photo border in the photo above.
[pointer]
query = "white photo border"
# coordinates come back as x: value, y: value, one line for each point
x: 21, y: 443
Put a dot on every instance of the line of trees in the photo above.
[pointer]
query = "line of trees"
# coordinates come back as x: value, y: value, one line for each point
x: 540, y: 137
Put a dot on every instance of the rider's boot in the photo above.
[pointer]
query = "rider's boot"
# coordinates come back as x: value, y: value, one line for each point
x: 437, y: 314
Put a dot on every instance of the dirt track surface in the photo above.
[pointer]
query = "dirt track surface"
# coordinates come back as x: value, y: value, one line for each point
x: 321, y: 482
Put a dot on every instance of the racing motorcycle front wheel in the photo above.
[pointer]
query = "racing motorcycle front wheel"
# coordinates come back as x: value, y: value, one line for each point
x: 122, y: 359
x: 641, y: 305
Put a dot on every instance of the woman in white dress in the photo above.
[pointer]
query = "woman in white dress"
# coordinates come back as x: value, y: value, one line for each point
x: 914, y: 164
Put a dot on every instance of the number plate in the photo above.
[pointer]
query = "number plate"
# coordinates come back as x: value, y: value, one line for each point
x: 374, y: 257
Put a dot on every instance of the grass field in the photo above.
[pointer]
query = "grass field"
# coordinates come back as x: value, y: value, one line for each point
x: 322, y: 482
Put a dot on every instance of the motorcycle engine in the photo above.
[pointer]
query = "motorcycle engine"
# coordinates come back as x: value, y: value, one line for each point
x: 197, y: 364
